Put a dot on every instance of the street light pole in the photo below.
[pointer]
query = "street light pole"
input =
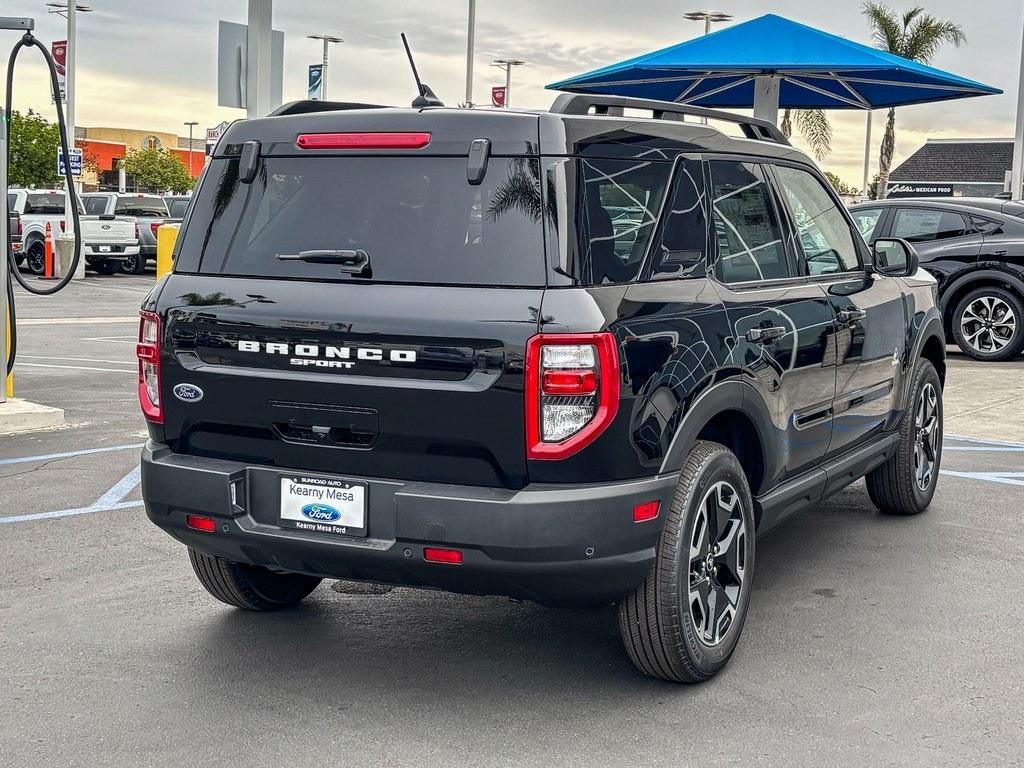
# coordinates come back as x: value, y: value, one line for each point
x: 70, y: 11
x: 1017, y: 170
x: 507, y: 65
x: 327, y: 39
x: 470, y: 44
x: 708, y: 17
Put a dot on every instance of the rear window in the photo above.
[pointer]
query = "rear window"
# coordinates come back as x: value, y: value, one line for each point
x: 42, y: 203
x: 144, y: 207
x: 177, y: 208
x: 417, y: 218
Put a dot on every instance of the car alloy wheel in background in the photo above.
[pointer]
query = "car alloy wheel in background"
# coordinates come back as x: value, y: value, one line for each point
x: 988, y: 324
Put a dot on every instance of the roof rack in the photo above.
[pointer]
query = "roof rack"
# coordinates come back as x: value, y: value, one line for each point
x: 581, y: 104
x: 307, y: 106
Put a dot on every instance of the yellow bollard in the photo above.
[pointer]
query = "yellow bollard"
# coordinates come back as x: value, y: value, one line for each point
x: 9, y: 379
x: 166, y: 236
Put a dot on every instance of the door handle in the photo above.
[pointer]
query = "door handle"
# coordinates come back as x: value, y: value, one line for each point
x: 851, y: 316
x: 765, y: 334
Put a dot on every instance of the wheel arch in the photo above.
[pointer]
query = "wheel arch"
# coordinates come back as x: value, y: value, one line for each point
x: 733, y: 414
x: 980, y: 278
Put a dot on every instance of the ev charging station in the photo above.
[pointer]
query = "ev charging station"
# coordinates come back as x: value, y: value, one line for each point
x: 20, y: 415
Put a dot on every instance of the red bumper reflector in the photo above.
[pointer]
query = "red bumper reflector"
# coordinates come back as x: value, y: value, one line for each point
x: 569, y: 382
x: 362, y: 140
x: 440, y: 555
x: 199, y: 523
x: 646, y: 510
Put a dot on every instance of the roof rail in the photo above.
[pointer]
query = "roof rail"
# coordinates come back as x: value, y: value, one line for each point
x: 581, y: 104
x: 307, y: 106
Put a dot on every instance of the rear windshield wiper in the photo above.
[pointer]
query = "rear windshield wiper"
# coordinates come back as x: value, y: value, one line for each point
x: 354, y: 262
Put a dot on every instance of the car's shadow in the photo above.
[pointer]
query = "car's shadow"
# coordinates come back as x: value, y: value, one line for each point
x: 413, y: 643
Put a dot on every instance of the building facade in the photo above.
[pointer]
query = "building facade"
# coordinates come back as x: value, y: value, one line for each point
x: 954, y: 168
x: 106, y: 146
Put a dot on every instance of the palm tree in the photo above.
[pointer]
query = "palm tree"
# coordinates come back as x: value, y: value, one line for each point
x: 813, y: 125
x: 917, y: 36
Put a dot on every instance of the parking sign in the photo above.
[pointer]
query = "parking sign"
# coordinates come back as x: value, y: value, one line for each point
x: 76, y: 161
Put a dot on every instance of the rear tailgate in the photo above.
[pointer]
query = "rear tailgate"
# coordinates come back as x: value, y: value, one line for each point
x: 119, y: 230
x: 412, y: 370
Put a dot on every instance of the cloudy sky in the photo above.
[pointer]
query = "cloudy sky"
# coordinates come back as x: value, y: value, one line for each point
x: 152, y: 65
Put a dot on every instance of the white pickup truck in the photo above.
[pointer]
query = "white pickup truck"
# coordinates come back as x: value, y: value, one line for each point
x: 106, y: 240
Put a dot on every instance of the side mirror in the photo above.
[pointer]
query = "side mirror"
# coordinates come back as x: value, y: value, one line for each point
x: 894, y: 257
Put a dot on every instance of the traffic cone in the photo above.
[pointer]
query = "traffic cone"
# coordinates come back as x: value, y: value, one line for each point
x: 48, y: 254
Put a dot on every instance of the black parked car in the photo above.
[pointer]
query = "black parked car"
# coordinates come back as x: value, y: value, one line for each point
x: 975, y: 249
x: 411, y: 346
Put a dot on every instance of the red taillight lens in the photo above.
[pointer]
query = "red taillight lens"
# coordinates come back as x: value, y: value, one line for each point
x: 572, y: 392
x: 62, y: 225
x: 137, y: 234
x: 200, y: 523
x: 646, y: 510
x: 148, y: 352
x: 154, y: 227
x: 441, y: 555
x: 362, y: 140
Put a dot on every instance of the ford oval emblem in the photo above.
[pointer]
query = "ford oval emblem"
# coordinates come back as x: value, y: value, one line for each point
x: 189, y: 393
x: 321, y: 512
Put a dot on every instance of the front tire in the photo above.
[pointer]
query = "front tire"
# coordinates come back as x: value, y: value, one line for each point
x: 905, y: 484
x: 683, y: 623
x: 988, y: 324
x: 249, y: 586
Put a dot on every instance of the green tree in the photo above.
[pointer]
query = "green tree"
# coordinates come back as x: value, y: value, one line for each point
x: 158, y: 170
x: 915, y: 35
x: 839, y: 185
x: 33, y: 150
x: 813, y: 125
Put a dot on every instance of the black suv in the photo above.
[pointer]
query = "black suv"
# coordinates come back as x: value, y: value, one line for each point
x: 573, y: 356
x: 975, y: 249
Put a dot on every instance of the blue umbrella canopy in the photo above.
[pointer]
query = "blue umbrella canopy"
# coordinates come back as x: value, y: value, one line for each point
x: 813, y: 70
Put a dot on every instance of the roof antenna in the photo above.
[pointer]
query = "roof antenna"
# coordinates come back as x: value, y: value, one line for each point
x: 426, y: 97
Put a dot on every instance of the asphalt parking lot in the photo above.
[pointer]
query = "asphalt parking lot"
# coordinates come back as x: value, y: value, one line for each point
x: 870, y: 641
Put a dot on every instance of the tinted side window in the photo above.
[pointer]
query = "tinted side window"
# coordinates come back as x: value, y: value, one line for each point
x: 985, y: 226
x: 822, y: 228
x: 866, y: 219
x: 95, y: 206
x: 617, y: 215
x: 145, y: 207
x: 748, y: 234
x: 682, y: 240
x: 919, y: 225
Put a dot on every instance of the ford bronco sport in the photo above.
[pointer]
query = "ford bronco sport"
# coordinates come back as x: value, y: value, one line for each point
x: 576, y: 357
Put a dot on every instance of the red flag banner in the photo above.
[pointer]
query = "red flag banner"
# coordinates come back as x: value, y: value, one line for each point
x: 498, y: 96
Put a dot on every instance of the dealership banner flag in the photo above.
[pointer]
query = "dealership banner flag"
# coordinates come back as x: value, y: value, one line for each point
x: 316, y: 81
x: 498, y: 94
x: 59, y: 51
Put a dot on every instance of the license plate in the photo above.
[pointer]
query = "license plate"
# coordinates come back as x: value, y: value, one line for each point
x: 323, y: 505
x: 104, y: 249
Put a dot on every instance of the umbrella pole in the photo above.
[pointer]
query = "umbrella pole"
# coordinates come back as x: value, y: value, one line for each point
x: 766, y: 98
x: 867, y: 156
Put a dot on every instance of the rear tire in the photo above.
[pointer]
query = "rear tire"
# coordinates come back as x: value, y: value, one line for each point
x: 683, y: 623
x: 988, y: 324
x: 35, y: 258
x: 249, y: 586
x: 134, y: 265
x: 906, y: 483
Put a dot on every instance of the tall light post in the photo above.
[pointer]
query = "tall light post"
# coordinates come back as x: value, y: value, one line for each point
x: 708, y: 17
x: 69, y: 10
x: 327, y: 40
x: 1017, y: 169
x: 507, y: 65
x: 470, y: 43
x: 191, y: 124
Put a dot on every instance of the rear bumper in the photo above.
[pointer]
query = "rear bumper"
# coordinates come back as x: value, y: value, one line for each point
x: 558, y: 545
x: 114, y: 250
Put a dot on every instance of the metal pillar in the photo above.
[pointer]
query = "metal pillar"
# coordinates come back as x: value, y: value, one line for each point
x: 867, y: 156
x: 470, y: 44
x: 1017, y: 170
x: 766, y: 98
x: 259, y: 57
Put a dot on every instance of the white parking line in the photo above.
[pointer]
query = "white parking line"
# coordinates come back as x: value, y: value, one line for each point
x: 74, y: 368
x: 110, y: 500
x: 75, y: 320
x: 69, y: 454
x: 76, y: 359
